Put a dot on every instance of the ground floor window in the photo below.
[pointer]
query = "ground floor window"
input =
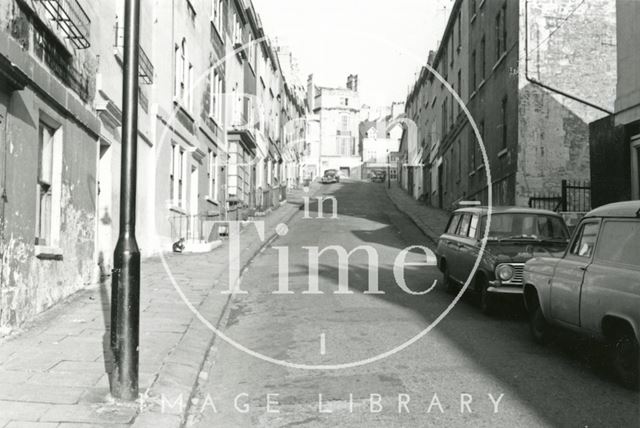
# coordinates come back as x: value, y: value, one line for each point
x: 48, y: 184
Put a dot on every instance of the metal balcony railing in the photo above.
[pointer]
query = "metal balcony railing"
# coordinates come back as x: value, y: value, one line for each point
x: 48, y: 50
x: 195, y: 228
x: 71, y: 19
x: 270, y: 197
x: 145, y: 66
x: 345, y: 145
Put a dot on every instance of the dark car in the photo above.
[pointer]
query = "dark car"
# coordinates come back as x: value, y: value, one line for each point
x: 515, y: 236
x: 379, y: 176
x: 330, y: 176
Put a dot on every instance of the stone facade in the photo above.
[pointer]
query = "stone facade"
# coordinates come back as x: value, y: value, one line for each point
x: 60, y: 142
x: 48, y: 146
x: 338, y: 111
x: 527, y: 73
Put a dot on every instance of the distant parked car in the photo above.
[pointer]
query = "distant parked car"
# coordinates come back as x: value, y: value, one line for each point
x: 595, y: 287
x: 330, y: 176
x: 379, y: 176
x: 515, y: 236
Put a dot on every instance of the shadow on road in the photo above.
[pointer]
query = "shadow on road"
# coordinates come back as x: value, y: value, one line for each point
x: 500, y: 345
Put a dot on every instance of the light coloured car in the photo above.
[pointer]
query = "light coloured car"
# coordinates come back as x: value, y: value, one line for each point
x: 595, y: 287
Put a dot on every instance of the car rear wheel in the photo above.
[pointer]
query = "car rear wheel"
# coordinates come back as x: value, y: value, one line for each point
x: 625, y: 358
x: 449, y: 285
x: 539, y: 327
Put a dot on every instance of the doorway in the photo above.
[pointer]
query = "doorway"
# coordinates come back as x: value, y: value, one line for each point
x: 193, y: 204
x: 440, y: 187
x: 635, y: 167
x: 106, y: 216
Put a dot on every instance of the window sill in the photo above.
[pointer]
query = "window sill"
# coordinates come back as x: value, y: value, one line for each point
x: 177, y: 209
x: 215, y: 29
x: 178, y: 104
x: 44, y: 252
x: 503, y: 153
x: 499, y: 61
x: 215, y: 121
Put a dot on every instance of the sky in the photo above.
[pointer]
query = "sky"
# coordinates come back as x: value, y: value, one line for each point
x: 384, y: 42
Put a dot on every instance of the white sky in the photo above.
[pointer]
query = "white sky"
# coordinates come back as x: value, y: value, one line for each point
x: 384, y: 42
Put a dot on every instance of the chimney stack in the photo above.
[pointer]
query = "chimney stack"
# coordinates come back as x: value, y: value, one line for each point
x: 352, y: 82
x: 311, y: 93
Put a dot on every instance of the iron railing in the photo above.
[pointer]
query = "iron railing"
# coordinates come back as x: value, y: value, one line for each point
x: 271, y: 197
x: 575, y: 196
x: 195, y: 228
x: 71, y: 19
x: 47, y: 49
x: 145, y: 66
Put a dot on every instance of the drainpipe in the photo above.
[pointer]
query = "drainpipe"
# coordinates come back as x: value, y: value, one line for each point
x: 3, y: 191
x: 542, y: 85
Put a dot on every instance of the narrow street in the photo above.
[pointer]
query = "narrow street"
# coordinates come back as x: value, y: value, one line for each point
x: 470, y: 370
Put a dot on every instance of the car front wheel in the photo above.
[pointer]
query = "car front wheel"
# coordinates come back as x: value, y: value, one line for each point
x: 539, y: 327
x: 625, y: 358
x: 487, y: 301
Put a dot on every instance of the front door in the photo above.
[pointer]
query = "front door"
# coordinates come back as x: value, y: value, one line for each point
x: 193, y: 203
x: 566, y: 284
x: 410, y: 180
x: 106, y: 216
x: 440, y: 187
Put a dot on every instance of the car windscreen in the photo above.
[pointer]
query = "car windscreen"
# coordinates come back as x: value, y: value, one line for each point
x: 525, y: 226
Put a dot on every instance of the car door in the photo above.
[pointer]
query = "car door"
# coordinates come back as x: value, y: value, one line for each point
x: 566, y: 283
x: 468, y: 246
x: 447, y: 240
x: 458, y: 248
x: 612, y: 282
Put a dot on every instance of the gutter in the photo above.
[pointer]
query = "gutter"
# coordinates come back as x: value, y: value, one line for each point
x: 542, y: 85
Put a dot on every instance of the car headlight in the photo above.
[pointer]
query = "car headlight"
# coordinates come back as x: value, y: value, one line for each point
x: 504, y: 272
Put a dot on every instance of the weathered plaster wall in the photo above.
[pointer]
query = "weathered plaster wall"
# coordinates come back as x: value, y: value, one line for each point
x: 29, y: 284
x: 571, y: 47
x: 628, y: 87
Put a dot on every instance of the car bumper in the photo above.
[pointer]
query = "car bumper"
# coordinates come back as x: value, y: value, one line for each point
x: 498, y: 288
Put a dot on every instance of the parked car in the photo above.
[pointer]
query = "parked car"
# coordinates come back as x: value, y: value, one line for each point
x: 379, y: 176
x: 595, y: 287
x: 515, y: 236
x: 330, y: 176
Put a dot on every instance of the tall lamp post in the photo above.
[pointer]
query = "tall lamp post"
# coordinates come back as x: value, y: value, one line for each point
x: 125, y: 287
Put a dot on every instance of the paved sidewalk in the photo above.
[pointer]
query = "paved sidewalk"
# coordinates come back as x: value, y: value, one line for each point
x: 54, y: 374
x: 432, y: 221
